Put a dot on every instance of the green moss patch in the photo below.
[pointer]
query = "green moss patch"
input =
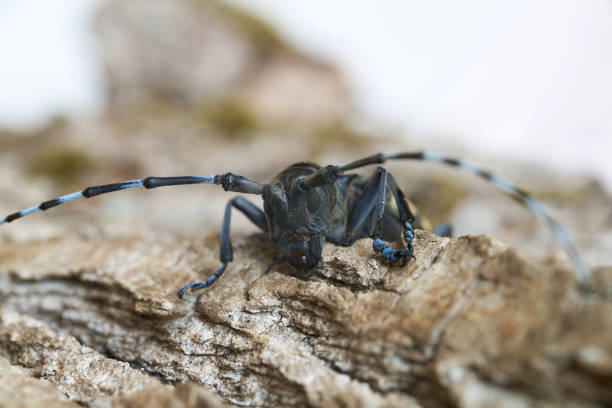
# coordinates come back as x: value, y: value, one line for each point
x: 334, y: 135
x: 231, y: 118
x: 262, y: 34
x: 65, y: 165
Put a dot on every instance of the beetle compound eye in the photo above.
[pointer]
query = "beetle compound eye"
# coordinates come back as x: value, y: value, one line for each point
x: 313, y: 201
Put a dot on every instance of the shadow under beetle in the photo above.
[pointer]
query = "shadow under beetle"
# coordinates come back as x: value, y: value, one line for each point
x: 306, y: 205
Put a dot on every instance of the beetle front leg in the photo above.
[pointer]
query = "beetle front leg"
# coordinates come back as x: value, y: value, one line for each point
x: 406, y: 218
x: 369, y: 212
x: 254, y: 214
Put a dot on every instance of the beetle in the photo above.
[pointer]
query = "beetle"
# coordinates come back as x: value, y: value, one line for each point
x: 306, y: 205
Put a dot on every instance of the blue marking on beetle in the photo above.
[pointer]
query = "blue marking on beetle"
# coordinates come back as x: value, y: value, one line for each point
x: 433, y: 157
x: 504, y: 185
x: 29, y: 211
x: 536, y: 207
x: 408, y: 233
x: 470, y: 168
x: 69, y: 197
x: 132, y: 184
x: 562, y: 235
x: 378, y: 244
x: 206, y: 179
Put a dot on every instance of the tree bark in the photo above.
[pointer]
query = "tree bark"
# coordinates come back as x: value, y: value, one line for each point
x: 469, y: 322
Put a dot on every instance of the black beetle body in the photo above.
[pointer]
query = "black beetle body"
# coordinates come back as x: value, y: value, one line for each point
x: 307, y: 204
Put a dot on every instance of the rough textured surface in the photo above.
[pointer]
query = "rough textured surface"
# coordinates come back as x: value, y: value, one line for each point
x: 79, y: 372
x: 469, y: 323
x: 183, y: 395
x: 18, y: 389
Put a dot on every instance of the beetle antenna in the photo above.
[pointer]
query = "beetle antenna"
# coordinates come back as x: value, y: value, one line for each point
x: 229, y: 182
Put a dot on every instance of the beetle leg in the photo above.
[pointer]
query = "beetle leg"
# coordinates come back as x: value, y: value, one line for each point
x: 370, y: 209
x: 371, y: 202
x: 254, y: 214
x: 388, y: 253
x: 406, y: 218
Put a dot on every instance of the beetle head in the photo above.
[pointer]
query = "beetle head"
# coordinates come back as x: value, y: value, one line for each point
x: 303, y: 252
x: 296, y: 222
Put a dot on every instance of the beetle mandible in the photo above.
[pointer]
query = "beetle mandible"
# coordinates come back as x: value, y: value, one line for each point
x: 306, y: 205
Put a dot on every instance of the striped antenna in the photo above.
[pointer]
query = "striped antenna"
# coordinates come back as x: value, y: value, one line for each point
x: 149, y: 182
x: 535, y: 206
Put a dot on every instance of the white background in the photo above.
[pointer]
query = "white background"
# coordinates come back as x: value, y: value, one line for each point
x: 525, y: 79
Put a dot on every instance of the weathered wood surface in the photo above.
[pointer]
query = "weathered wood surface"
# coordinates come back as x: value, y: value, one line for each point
x: 468, y: 323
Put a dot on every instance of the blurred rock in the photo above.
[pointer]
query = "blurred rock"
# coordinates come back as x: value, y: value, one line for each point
x: 187, y: 395
x: 192, y: 52
x: 294, y: 88
x: 180, y: 51
x: 468, y: 323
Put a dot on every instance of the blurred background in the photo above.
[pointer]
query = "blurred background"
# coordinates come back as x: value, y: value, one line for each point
x: 96, y: 91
